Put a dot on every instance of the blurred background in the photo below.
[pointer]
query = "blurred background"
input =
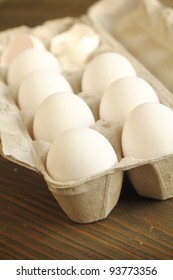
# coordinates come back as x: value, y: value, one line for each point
x: 33, y: 12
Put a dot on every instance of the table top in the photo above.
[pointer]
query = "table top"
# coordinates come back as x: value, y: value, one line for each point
x: 33, y: 226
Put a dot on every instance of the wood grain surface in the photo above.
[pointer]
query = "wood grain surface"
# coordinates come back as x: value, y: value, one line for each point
x: 32, y: 225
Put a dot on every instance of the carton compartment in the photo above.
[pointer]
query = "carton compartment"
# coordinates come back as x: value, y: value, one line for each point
x: 91, y: 200
x: 153, y: 180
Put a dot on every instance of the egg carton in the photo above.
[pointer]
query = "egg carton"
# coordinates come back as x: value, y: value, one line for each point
x: 88, y: 199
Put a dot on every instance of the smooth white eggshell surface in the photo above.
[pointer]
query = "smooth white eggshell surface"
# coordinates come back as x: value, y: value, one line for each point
x: 21, y: 42
x: 79, y: 153
x: 28, y: 61
x: 104, y: 69
x: 123, y: 95
x: 38, y: 85
x: 148, y: 131
x: 60, y: 112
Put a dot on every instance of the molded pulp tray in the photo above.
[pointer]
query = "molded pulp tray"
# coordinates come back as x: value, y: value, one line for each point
x: 89, y: 199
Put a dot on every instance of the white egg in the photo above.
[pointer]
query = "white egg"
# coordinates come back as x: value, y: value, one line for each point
x: 28, y: 61
x: 21, y: 42
x: 38, y: 85
x: 123, y: 95
x: 148, y: 131
x: 60, y: 112
x: 79, y: 153
x: 104, y: 69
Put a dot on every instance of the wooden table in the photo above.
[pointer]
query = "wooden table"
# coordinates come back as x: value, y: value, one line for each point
x: 32, y: 225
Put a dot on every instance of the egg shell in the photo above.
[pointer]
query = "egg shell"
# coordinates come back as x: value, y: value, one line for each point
x: 38, y: 85
x: 26, y: 62
x: 20, y: 42
x: 77, y: 43
x: 104, y: 69
x: 79, y: 153
x: 148, y: 131
x: 123, y: 95
x: 60, y: 112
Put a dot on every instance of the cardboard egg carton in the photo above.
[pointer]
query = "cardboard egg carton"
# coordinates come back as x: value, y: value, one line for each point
x: 88, y: 199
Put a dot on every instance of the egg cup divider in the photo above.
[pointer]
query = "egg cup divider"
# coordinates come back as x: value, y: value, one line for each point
x: 89, y: 199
